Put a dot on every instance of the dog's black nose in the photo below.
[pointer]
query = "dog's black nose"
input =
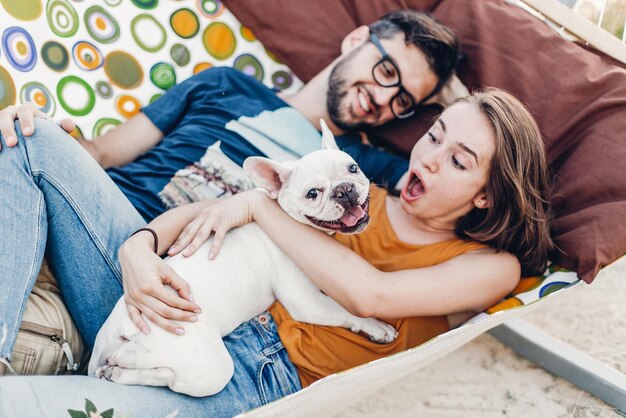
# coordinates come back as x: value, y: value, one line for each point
x: 346, y: 195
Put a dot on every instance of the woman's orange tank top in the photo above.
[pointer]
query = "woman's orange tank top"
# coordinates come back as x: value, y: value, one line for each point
x: 318, y: 351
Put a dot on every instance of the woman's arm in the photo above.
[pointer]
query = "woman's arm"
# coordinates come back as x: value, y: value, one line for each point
x: 168, y: 227
x: 470, y: 282
x: 146, y: 276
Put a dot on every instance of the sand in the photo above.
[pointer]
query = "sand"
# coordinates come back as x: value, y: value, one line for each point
x: 485, y: 378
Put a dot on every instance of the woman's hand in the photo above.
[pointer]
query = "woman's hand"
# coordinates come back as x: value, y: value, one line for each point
x: 25, y: 114
x: 153, y: 288
x: 219, y: 218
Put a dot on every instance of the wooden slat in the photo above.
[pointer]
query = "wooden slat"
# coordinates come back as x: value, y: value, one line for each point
x: 581, y: 27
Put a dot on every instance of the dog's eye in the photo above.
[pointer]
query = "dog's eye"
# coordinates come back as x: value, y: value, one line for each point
x: 353, y: 168
x: 311, y: 194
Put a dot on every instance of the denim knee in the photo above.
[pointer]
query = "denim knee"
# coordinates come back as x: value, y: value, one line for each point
x: 48, y: 143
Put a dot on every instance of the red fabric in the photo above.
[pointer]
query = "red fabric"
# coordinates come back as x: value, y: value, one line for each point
x: 306, y: 35
x: 579, y: 100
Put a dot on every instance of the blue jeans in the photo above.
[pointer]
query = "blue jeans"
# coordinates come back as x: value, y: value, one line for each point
x: 263, y: 373
x: 56, y: 198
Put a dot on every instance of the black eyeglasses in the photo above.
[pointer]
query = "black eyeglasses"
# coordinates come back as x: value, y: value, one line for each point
x: 387, y: 74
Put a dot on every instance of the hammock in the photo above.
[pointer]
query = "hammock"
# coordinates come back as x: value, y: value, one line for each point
x: 97, y: 74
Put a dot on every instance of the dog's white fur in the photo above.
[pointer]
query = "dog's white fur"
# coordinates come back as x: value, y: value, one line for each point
x: 244, y: 280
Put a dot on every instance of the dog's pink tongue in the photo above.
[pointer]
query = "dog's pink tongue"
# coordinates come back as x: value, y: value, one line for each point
x: 352, y: 216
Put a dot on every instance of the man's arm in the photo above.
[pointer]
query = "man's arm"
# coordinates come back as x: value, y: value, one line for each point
x: 115, y: 148
x: 137, y: 135
x: 123, y: 144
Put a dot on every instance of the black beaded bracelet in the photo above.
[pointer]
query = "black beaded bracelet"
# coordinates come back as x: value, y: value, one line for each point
x: 154, y: 235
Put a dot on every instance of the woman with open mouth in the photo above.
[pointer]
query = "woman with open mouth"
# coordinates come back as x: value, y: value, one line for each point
x: 470, y: 219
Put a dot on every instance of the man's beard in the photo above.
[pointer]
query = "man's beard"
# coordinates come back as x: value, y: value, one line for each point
x: 337, y: 91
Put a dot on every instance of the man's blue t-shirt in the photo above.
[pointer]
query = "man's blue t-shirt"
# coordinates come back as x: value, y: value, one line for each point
x: 244, y: 118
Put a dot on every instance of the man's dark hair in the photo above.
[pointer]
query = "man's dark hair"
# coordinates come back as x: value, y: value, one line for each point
x: 435, y: 40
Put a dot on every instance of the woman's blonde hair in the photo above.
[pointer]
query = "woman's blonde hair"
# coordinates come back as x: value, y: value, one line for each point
x: 518, y: 186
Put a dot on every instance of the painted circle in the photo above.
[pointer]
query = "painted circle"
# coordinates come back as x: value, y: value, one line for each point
x: 148, y: 32
x: 104, y: 125
x: 75, y: 95
x: 55, y: 55
x: 247, y: 34
x: 272, y: 56
x: 146, y: 4
x: 87, y: 56
x: 19, y: 48
x: 210, y: 8
x: 163, y: 75
x: 62, y: 18
x: 180, y: 54
x: 185, y: 23
x: 77, y: 133
x: 101, y: 25
x: 249, y: 65
x: 219, y: 40
x: 123, y: 70
x: 506, y: 304
x: 552, y: 287
x: 127, y: 106
x: 104, y: 89
x: 7, y: 89
x: 113, y: 3
x: 282, y: 79
x: 201, y: 66
x: 23, y: 9
x: 155, y: 97
x: 40, y: 96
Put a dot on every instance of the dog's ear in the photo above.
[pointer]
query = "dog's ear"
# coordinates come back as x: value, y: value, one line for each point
x: 267, y: 174
x: 328, y: 139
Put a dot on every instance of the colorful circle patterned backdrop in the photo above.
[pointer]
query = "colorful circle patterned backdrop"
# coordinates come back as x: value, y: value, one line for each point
x: 100, y: 63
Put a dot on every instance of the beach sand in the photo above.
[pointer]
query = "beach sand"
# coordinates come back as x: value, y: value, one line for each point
x: 485, y: 378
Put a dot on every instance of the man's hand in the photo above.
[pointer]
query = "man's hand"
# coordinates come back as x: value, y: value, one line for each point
x: 153, y: 288
x: 219, y: 218
x: 26, y: 114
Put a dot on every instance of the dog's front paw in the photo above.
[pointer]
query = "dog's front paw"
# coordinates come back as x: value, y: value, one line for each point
x: 99, y: 374
x: 379, y: 331
x: 108, y: 372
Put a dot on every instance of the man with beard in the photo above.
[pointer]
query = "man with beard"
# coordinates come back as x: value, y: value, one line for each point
x: 384, y: 72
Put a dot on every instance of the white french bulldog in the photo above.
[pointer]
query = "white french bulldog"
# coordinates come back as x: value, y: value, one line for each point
x: 324, y: 189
